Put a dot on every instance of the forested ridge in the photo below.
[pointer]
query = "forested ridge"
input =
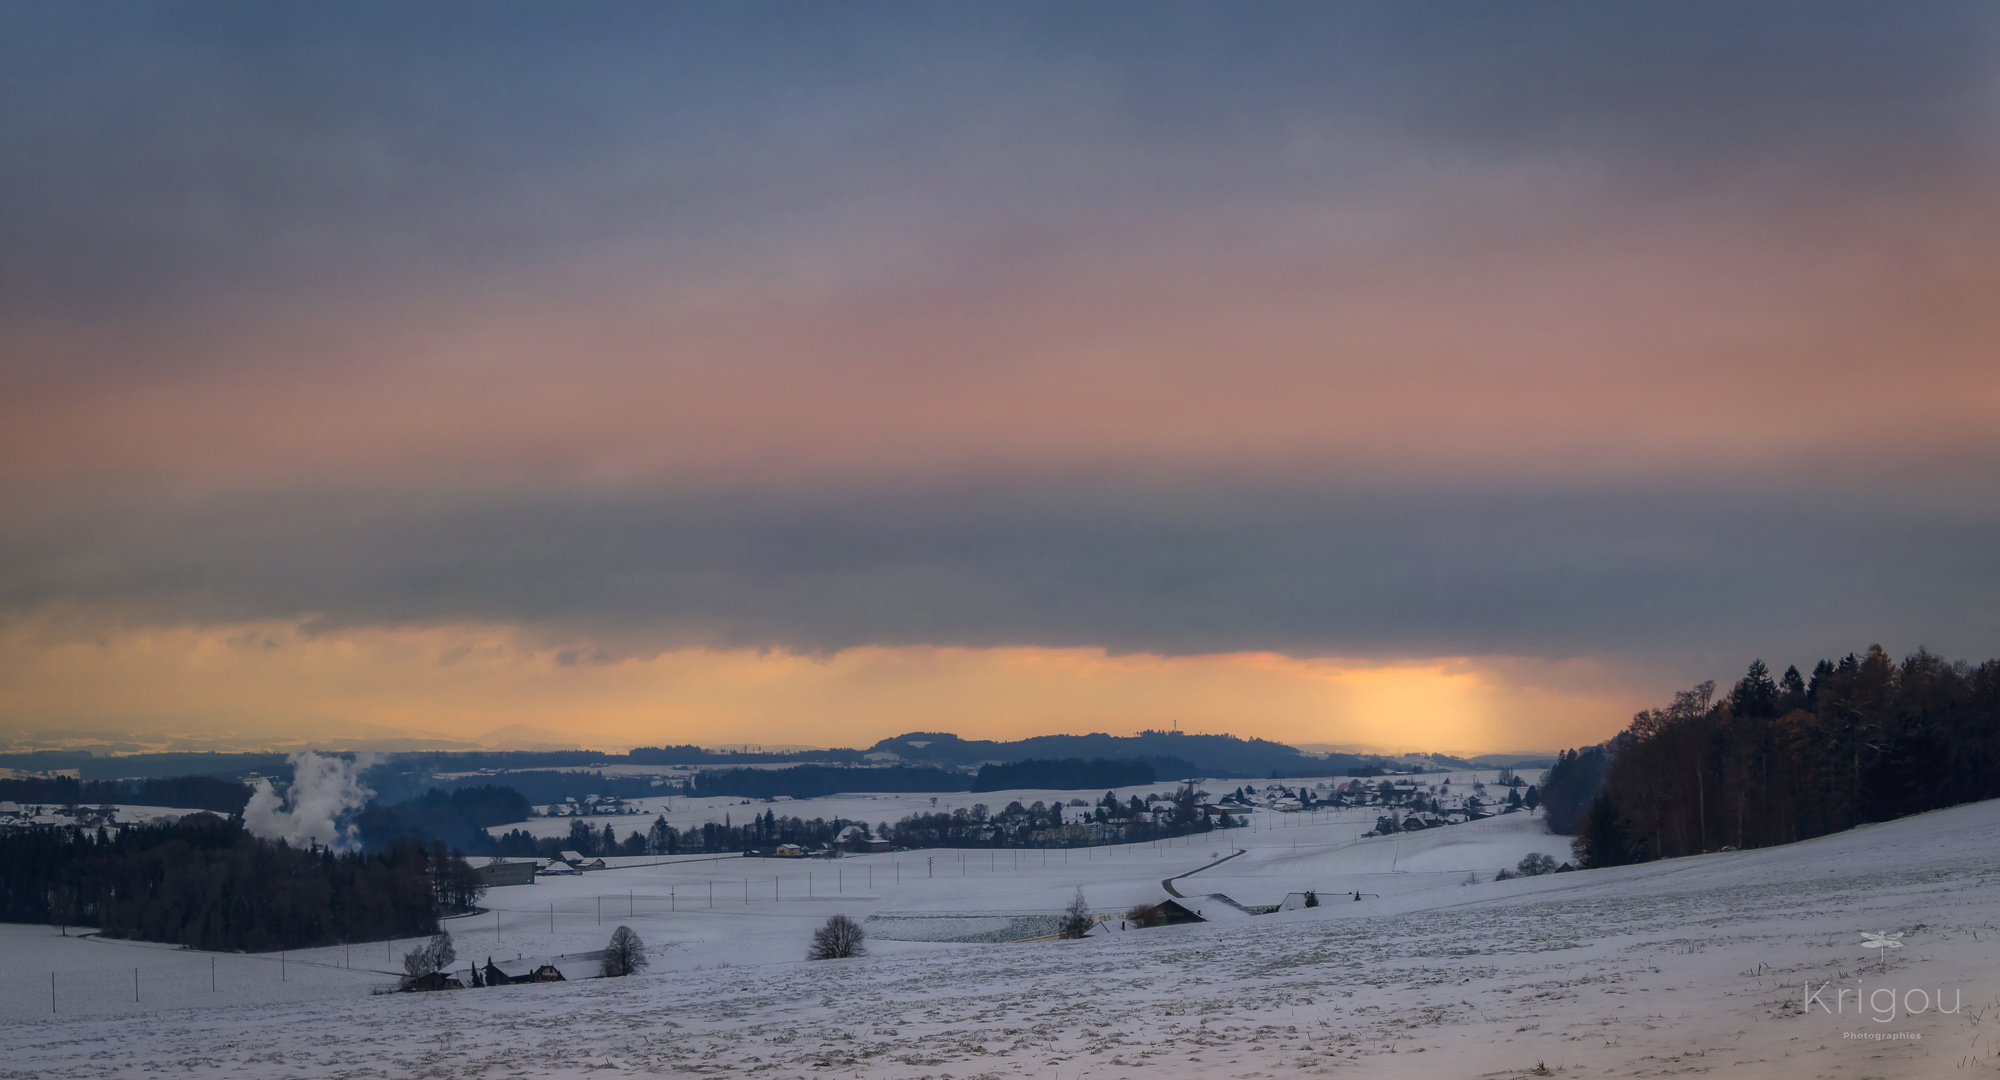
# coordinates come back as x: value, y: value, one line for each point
x: 814, y: 781
x: 185, y: 792
x: 205, y: 882
x: 1776, y: 760
x: 1067, y: 774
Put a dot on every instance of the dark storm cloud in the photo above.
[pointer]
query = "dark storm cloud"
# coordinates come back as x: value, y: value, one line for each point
x: 1206, y: 568
x: 170, y: 151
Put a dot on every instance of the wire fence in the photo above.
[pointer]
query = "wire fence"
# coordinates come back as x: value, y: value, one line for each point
x: 136, y: 979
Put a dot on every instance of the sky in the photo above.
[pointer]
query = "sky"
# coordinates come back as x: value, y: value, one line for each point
x: 1450, y: 376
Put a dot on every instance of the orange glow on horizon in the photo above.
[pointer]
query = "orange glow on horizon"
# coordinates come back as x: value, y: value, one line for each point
x: 280, y: 683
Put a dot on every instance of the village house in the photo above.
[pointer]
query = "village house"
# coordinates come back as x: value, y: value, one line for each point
x: 503, y: 872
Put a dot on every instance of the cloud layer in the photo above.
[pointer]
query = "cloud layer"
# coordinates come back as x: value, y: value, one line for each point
x: 1656, y: 335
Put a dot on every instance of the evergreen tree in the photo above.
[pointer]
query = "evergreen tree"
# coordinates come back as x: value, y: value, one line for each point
x: 1791, y: 691
x: 1604, y: 840
x: 1756, y: 696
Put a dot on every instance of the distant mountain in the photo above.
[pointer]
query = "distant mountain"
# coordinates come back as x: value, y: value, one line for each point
x: 1172, y: 753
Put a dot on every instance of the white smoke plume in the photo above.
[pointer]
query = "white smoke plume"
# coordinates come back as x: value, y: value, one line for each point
x: 325, y: 793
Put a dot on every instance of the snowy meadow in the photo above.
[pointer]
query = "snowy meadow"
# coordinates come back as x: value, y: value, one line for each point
x: 1739, y: 964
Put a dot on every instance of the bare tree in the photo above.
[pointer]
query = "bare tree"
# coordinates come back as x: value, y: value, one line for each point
x: 625, y: 955
x: 432, y: 956
x: 841, y: 937
x: 1075, y: 918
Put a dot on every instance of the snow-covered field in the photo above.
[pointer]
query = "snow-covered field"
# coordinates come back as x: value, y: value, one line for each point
x: 1687, y: 966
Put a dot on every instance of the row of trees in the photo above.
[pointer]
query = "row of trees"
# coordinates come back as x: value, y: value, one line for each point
x: 1037, y: 825
x: 207, y: 883
x: 186, y: 792
x: 1063, y: 774
x: 1781, y: 759
x: 814, y: 781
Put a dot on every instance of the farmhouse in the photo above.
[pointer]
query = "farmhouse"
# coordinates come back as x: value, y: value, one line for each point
x: 502, y: 872
x: 541, y: 974
x: 1171, y: 913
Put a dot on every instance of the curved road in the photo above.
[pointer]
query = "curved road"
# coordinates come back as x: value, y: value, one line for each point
x: 1167, y: 883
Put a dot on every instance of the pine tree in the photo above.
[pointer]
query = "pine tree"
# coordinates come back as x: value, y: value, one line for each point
x: 1604, y: 840
x: 1756, y: 696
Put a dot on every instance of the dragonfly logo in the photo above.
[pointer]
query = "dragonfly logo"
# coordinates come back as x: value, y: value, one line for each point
x: 1881, y: 941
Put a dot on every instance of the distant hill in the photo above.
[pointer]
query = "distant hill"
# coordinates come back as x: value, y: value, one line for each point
x: 1172, y: 754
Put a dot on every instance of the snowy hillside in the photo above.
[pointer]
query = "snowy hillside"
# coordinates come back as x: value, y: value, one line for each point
x: 1696, y: 965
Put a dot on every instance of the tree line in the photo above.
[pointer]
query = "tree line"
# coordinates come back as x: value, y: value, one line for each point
x: 184, y: 792
x: 458, y: 818
x: 206, y: 883
x: 1064, y: 774
x: 813, y: 781
x: 1014, y: 825
x: 1776, y: 760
